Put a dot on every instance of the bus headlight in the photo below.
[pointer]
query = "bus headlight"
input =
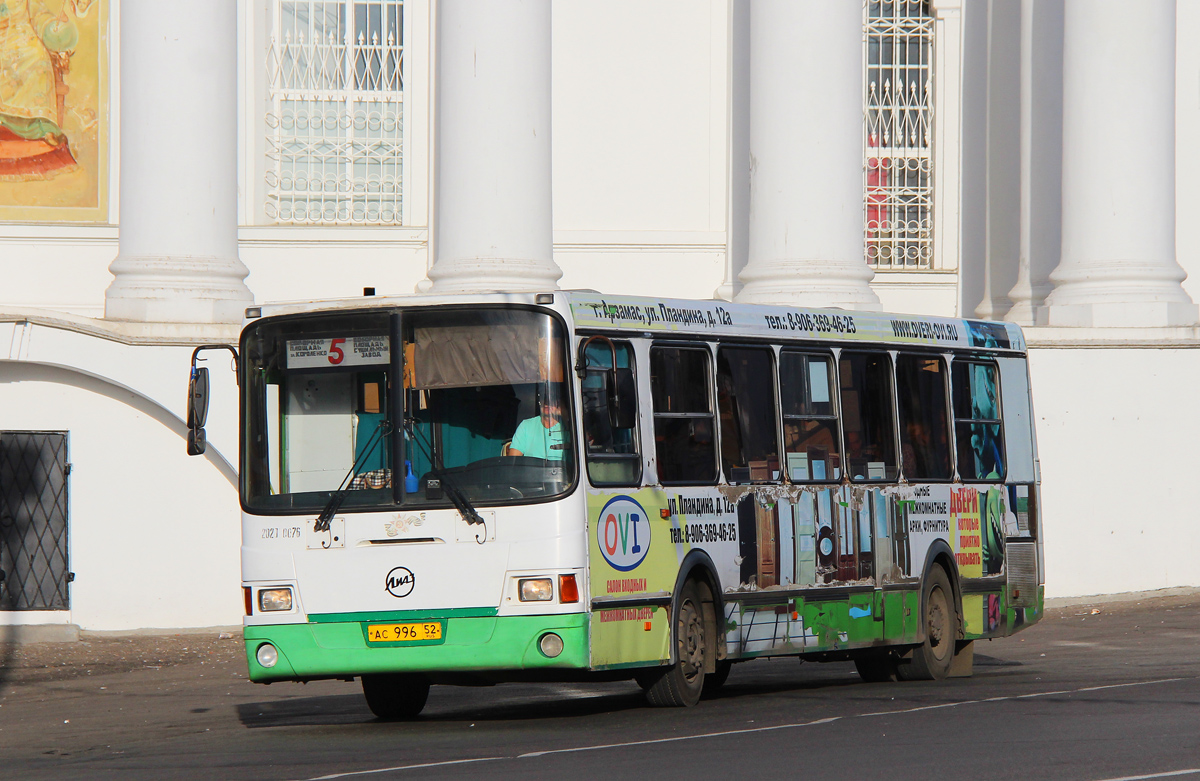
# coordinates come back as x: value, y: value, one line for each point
x: 274, y: 599
x: 535, y: 589
x: 267, y: 655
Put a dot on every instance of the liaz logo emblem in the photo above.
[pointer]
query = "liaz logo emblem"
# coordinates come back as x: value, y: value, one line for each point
x: 623, y: 531
x: 400, y: 582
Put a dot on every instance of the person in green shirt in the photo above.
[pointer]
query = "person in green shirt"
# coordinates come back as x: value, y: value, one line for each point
x: 542, y: 436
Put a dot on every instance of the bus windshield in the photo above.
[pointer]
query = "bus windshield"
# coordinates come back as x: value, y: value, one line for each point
x: 483, y: 408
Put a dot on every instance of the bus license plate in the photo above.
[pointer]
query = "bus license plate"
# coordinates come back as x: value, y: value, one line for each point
x: 404, y: 633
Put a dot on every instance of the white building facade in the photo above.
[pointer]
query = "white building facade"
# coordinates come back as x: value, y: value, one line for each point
x: 1022, y: 160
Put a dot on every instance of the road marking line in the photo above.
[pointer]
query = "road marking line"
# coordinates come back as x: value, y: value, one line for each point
x: 746, y: 731
x: 793, y: 725
x: 1020, y: 697
x: 1191, y: 772
x: 404, y: 767
x: 1119, y: 685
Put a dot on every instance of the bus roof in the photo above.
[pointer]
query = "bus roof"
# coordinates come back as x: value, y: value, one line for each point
x: 692, y: 318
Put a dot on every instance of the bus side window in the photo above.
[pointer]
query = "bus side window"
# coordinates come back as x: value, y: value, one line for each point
x: 613, y: 455
x: 977, y: 424
x: 924, y: 417
x: 749, y: 439
x: 810, y: 433
x: 866, y: 380
x: 683, y: 418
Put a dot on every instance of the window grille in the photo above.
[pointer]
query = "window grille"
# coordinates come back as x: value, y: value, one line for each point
x: 334, y: 125
x: 33, y: 521
x: 898, y: 105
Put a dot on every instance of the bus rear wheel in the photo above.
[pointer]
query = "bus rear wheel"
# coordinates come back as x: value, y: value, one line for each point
x: 931, y: 659
x: 681, y: 684
x: 395, y: 696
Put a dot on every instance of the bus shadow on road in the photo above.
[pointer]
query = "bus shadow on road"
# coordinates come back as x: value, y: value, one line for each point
x: 531, y: 702
x: 516, y: 704
x: 305, y: 711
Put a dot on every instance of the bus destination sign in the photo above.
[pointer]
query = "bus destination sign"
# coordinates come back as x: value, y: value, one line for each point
x: 350, y: 351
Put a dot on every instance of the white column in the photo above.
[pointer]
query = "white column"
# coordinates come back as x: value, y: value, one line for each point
x: 947, y: 132
x: 178, y: 257
x: 1041, y: 158
x: 806, y: 156
x: 1002, y: 150
x: 737, y: 212
x: 1118, y: 264
x: 493, y: 176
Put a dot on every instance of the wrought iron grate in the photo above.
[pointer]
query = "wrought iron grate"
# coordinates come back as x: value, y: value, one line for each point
x: 334, y: 126
x: 898, y: 110
x: 33, y: 520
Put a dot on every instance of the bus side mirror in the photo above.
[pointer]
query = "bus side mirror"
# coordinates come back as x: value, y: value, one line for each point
x: 622, y: 406
x: 197, y: 410
x: 196, y: 442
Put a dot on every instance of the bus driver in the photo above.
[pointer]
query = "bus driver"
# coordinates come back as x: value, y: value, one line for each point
x: 541, y: 436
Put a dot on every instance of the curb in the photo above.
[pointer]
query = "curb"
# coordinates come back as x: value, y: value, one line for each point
x: 1124, y: 596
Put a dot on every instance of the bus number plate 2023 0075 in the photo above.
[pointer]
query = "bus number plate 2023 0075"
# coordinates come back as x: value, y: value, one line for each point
x: 424, y: 631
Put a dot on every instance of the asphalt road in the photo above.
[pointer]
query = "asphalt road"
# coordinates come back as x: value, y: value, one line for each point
x: 1082, y: 695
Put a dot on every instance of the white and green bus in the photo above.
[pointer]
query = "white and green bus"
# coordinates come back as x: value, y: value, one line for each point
x: 568, y: 485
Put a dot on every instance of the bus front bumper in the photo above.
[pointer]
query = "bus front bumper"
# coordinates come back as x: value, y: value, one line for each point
x: 340, y: 649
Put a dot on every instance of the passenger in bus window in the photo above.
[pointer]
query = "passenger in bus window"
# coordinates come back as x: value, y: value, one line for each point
x: 541, y: 436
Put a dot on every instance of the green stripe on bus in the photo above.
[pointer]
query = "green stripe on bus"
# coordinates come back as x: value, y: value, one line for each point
x: 338, y: 650
x: 389, y: 616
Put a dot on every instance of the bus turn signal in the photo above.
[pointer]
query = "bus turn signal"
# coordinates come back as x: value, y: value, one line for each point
x: 568, y: 590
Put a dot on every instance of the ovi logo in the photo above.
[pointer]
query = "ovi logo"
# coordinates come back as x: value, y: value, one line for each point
x: 623, y: 532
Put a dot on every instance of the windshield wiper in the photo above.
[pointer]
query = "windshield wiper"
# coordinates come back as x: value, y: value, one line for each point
x: 449, y: 487
x: 338, y: 496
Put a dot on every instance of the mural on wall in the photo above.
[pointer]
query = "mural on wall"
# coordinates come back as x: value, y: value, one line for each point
x: 53, y: 110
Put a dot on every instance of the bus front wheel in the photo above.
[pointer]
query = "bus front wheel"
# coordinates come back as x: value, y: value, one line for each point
x: 931, y: 659
x: 395, y: 696
x: 680, y: 684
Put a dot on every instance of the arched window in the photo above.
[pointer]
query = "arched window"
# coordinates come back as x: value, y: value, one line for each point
x: 898, y: 106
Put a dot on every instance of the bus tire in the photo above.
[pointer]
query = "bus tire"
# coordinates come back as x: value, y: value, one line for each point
x: 395, y: 696
x: 876, y: 667
x: 680, y: 685
x: 931, y: 659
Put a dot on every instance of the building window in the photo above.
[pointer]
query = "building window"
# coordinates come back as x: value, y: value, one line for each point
x: 898, y: 106
x: 334, y: 123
